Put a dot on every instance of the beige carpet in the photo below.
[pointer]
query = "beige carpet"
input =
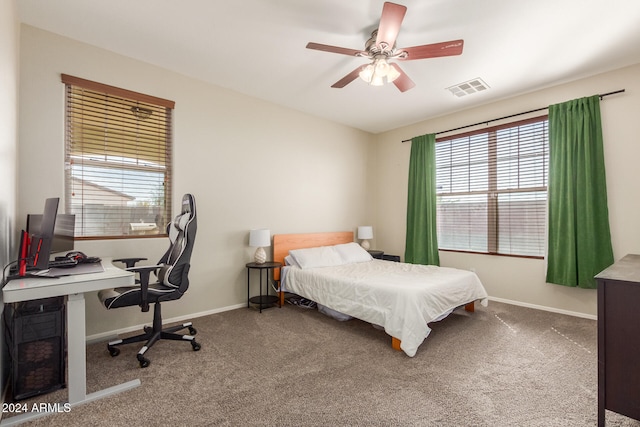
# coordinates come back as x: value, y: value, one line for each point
x: 500, y: 366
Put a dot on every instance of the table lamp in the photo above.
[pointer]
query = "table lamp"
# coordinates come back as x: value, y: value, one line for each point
x: 365, y: 232
x: 260, y: 238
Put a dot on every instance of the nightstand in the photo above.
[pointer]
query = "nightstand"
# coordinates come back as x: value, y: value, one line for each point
x: 381, y: 255
x: 375, y: 253
x: 264, y: 300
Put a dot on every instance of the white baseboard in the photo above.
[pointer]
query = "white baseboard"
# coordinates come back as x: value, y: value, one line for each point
x: 545, y: 308
x: 105, y: 336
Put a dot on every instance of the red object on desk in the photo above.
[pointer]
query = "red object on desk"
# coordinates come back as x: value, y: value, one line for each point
x: 24, y: 252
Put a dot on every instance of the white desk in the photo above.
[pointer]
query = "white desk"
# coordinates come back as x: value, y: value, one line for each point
x: 74, y: 288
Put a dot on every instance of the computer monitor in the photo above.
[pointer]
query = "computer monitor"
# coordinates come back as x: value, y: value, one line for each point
x: 35, y: 247
x: 63, y: 234
x: 40, y: 243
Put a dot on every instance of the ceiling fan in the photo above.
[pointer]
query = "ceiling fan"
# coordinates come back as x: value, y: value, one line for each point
x: 381, y: 47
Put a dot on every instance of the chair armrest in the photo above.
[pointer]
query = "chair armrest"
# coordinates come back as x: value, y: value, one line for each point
x: 130, y: 262
x: 144, y: 272
x: 143, y: 269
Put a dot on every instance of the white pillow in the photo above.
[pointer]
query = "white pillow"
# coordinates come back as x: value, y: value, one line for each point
x: 289, y: 260
x: 322, y: 256
x: 352, y: 253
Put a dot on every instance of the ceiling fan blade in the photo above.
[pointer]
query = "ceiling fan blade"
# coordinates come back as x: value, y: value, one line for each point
x: 403, y: 82
x: 348, y: 78
x: 451, y: 48
x: 390, y: 21
x: 333, y: 49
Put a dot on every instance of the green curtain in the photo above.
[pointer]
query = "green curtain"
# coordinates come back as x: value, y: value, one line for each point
x: 422, y: 240
x: 579, y: 241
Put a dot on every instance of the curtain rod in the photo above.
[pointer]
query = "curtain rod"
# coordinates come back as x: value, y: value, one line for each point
x: 512, y: 115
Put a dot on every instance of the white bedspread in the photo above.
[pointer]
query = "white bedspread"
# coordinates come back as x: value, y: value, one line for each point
x: 400, y: 297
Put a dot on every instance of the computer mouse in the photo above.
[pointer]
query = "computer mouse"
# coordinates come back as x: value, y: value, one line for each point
x: 78, y: 256
x: 82, y: 258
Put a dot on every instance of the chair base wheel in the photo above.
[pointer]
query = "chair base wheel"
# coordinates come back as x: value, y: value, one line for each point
x: 113, y: 351
x: 196, y: 346
x: 144, y: 362
x: 192, y: 330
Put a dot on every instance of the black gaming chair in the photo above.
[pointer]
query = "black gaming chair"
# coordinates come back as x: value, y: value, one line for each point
x: 172, y: 274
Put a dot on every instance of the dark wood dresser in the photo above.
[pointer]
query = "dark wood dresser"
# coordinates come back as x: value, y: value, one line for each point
x: 619, y: 338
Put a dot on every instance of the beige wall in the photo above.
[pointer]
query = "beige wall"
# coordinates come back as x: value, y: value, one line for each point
x: 250, y: 164
x: 516, y: 279
x: 9, y: 79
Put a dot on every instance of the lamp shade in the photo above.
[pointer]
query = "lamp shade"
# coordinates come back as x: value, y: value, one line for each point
x: 260, y: 237
x: 365, y: 232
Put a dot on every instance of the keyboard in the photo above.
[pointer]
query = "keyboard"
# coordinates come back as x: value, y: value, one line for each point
x: 62, y: 263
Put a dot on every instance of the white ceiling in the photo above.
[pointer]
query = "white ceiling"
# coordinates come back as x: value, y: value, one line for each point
x: 257, y: 47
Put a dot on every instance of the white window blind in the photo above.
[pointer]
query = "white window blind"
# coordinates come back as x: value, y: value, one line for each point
x: 117, y: 160
x: 492, y: 189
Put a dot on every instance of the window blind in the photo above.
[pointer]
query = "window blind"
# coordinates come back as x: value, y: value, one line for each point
x: 491, y: 189
x: 118, y: 146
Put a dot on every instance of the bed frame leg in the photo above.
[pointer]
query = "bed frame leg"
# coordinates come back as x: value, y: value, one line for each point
x: 395, y: 343
x: 470, y: 307
x: 281, y: 294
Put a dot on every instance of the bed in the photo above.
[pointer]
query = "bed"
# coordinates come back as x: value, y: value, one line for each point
x: 333, y: 271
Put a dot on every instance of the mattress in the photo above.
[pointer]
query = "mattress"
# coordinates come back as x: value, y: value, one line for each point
x: 402, y: 298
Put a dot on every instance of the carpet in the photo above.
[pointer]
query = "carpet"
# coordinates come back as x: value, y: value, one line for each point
x: 503, y: 365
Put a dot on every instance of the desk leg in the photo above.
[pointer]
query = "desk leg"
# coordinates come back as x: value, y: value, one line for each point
x: 77, y: 356
x: 77, y: 351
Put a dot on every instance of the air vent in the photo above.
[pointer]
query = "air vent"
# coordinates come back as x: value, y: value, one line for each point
x: 468, y: 87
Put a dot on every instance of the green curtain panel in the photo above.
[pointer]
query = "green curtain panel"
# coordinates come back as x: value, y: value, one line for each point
x: 422, y: 239
x: 579, y: 242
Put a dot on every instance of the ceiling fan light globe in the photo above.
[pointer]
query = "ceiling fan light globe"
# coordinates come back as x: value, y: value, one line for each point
x: 382, y: 67
x: 392, y: 74
x: 366, y: 73
x: 377, y: 80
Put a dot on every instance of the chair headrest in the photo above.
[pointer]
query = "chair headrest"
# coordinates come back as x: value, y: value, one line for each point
x: 180, y: 222
x: 188, y: 204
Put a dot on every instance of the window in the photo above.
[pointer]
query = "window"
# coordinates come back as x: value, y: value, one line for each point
x: 117, y: 160
x: 492, y: 189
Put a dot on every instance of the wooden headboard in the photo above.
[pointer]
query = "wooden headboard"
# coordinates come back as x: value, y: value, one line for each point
x: 283, y: 243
